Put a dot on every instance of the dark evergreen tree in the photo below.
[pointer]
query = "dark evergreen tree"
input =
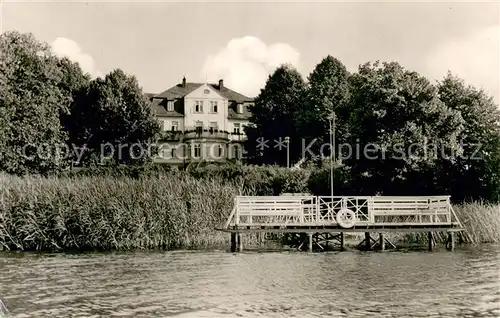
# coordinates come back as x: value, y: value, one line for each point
x: 273, y: 118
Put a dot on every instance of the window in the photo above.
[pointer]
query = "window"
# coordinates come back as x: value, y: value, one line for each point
x: 220, y: 151
x: 239, y: 108
x: 213, y: 126
x: 165, y: 124
x: 198, y: 106
x: 213, y: 106
x: 197, y: 151
x: 175, y: 125
x: 198, y: 126
x: 236, y: 129
x: 170, y: 105
x: 236, y: 152
x: 173, y: 153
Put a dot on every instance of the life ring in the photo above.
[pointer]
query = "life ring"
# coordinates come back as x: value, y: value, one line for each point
x: 346, y: 218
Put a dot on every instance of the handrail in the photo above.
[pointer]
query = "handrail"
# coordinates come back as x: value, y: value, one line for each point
x: 322, y: 210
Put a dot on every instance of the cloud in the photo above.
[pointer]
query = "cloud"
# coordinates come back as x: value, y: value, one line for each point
x: 245, y: 63
x: 474, y: 58
x: 64, y: 47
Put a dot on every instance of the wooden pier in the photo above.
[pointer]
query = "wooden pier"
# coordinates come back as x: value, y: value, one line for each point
x: 325, y: 219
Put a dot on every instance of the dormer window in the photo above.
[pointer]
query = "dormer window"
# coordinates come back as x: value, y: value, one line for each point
x: 170, y: 105
x: 239, y: 108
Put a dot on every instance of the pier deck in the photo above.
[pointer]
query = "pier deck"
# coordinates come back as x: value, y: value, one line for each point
x: 325, y: 214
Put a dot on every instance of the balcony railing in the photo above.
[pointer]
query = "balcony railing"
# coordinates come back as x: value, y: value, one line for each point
x: 210, y: 133
x: 237, y: 137
x: 171, y: 135
x: 206, y: 133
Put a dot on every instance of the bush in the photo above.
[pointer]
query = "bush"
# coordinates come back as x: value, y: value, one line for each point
x: 260, y: 180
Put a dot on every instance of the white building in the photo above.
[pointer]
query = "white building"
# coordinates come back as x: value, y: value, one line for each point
x: 201, y: 122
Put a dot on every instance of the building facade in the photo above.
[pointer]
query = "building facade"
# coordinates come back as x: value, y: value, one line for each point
x: 200, y: 122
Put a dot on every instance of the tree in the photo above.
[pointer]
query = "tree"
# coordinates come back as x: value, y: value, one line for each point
x: 113, y: 120
x: 73, y: 83
x: 30, y: 102
x: 328, y: 92
x: 400, y: 131
x: 273, y: 118
x: 476, y: 174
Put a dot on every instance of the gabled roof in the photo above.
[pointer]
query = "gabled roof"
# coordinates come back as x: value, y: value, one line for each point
x: 179, y: 91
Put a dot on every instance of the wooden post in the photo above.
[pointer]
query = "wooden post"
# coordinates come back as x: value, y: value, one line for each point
x: 233, y: 242
x: 341, y: 241
x: 451, y: 241
x: 368, y: 243
x: 310, y: 242
x: 240, y: 242
x: 381, y: 241
x: 431, y: 240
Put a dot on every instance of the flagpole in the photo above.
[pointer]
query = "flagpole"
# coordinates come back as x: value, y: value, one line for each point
x: 331, y: 121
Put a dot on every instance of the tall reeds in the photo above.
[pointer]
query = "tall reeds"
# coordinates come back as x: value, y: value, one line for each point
x: 481, y: 220
x: 177, y: 211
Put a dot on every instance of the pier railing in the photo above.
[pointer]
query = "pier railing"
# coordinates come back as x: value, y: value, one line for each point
x: 346, y: 212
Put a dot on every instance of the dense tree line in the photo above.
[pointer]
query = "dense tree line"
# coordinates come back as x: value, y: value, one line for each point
x: 53, y: 115
x: 395, y: 132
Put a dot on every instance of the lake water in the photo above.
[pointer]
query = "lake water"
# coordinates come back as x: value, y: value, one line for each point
x: 463, y: 283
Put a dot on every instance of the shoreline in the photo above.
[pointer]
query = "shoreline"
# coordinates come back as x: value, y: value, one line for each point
x: 269, y: 247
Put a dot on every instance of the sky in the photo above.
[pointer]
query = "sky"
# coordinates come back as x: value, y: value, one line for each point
x: 242, y: 42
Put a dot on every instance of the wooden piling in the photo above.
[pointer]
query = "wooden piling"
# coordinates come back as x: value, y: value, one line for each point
x: 240, y: 242
x: 233, y: 242
x: 451, y: 241
x: 368, y: 243
x: 310, y: 242
x: 430, y: 239
x: 381, y: 241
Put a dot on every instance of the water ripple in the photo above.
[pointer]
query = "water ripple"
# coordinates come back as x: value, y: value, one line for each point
x: 464, y: 283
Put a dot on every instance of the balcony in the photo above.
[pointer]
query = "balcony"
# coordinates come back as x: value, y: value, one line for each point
x: 178, y: 135
x: 237, y: 137
x: 206, y: 134
x: 171, y: 135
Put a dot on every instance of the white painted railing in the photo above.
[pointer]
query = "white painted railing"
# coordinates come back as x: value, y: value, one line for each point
x: 306, y: 210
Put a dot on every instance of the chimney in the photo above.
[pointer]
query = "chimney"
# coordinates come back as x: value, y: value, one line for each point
x: 184, y: 81
x: 221, y: 84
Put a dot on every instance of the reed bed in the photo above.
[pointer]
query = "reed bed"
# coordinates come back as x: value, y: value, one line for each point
x: 102, y: 213
x: 481, y: 222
